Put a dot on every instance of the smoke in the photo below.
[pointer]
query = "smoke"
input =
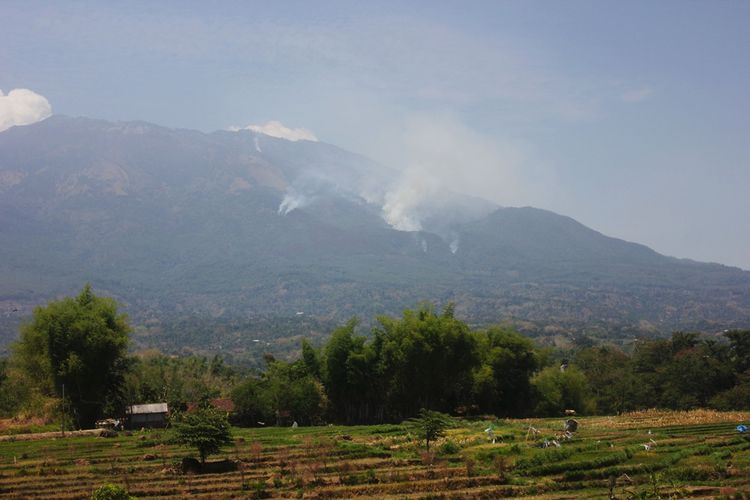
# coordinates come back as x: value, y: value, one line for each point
x: 451, y: 168
x: 292, y: 200
x: 454, y: 245
x: 22, y: 107
x: 279, y: 130
x: 404, y: 202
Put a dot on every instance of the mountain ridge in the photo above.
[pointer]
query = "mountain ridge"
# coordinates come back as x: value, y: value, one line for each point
x: 175, y: 222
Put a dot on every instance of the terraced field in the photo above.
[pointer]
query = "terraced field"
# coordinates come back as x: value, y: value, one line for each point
x: 644, y: 455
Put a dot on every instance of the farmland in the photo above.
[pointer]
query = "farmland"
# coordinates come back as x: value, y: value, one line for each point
x: 647, y: 454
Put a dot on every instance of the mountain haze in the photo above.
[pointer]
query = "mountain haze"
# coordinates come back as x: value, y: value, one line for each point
x: 180, y: 223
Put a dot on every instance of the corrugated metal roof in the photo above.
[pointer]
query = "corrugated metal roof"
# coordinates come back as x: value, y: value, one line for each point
x: 149, y: 408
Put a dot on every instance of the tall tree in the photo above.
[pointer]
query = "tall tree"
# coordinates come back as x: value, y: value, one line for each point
x: 610, y: 375
x: 427, y: 359
x: 79, y: 343
x: 559, y: 391
x: 508, y: 361
x: 739, y: 344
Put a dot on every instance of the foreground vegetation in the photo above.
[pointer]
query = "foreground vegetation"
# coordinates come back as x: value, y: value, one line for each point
x: 696, y: 453
x: 72, y: 361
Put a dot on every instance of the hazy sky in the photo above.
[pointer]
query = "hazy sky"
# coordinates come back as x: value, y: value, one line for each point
x: 632, y: 117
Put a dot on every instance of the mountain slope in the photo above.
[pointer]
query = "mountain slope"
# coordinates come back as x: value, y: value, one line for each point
x: 237, y: 224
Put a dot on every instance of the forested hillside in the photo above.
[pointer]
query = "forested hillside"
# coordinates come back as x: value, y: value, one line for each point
x: 242, y: 229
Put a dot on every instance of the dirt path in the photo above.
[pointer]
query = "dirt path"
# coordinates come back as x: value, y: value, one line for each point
x: 46, y: 435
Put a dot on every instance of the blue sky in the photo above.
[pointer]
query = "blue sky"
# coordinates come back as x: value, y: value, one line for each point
x: 632, y: 117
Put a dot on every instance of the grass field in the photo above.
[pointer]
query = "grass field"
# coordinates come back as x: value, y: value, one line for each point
x: 696, y: 454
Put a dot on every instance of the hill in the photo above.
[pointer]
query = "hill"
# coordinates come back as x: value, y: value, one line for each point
x: 230, y: 227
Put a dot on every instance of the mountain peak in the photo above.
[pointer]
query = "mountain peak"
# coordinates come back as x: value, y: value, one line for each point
x: 172, y: 220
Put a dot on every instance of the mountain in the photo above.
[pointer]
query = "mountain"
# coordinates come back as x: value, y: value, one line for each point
x: 233, y: 226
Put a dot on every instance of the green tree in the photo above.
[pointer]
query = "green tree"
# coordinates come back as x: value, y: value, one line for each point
x: 609, y: 372
x: 291, y: 389
x: 284, y: 391
x: 251, y: 403
x: 79, y: 343
x: 739, y: 344
x: 205, y: 429
x: 558, y: 391
x: 508, y: 360
x: 429, y: 425
x: 351, y: 377
x: 428, y: 361
x: 311, y: 359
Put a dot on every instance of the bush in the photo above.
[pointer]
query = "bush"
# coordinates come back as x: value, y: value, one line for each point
x: 111, y: 492
x: 449, y: 448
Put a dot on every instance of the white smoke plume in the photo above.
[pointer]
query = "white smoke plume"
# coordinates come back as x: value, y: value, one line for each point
x: 403, y: 202
x: 444, y: 157
x: 22, y: 107
x: 454, y: 245
x: 278, y: 129
x: 292, y: 200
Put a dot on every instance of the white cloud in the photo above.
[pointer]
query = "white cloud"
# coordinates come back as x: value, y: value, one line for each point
x: 277, y: 129
x: 22, y: 107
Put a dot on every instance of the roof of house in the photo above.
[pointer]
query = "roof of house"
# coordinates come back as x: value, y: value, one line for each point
x: 148, y: 408
x: 222, y: 404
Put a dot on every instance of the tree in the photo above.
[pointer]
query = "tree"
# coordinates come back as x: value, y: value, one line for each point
x: 427, y: 359
x: 609, y: 372
x: 351, y: 377
x: 205, y: 429
x: 501, y: 384
x: 429, y: 425
x: 558, y: 391
x: 739, y: 342
x: 251, y: 403
x: 79, y: 343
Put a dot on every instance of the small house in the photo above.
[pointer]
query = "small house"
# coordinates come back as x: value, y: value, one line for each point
x: 146, y: 415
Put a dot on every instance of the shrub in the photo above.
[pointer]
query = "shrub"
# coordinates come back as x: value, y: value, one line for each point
x: 449, y: 448
x: 111, y: 492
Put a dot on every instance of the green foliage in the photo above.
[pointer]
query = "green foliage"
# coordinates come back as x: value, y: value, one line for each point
x: 502, y: 382
x: 205, y: 429
x: 558, y: 391
x: 682, y: 373
x: 111, y: 492
x: 79, y: 343
x: 610, y: 376
x: 449, y: 448
x: 427, y: 360
x: 154, y: 377
x: 350, y: 375
x: 739, y: 342
x: 428, y: 425
x: 285, y: 392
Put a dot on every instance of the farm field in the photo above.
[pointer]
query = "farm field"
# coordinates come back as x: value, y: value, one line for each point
x: 650, y: 454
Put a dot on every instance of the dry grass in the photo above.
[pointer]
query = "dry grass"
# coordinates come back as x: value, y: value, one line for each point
x: 663, y: 418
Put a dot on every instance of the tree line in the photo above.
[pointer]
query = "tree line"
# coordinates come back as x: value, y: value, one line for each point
x: 424, y: 359
x: 433, y: 360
